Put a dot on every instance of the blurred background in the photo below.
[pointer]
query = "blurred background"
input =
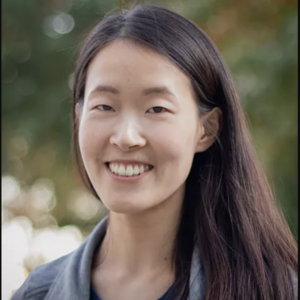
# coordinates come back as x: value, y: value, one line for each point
x: 46, y: 212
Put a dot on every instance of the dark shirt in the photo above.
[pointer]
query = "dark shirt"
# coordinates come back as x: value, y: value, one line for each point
x: 167, y: 295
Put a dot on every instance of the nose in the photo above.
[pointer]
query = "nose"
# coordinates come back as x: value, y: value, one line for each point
x: 127, y: 136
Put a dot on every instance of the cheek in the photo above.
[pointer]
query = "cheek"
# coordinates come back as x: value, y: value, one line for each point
x: 175, y: 143
x: 89, y: 139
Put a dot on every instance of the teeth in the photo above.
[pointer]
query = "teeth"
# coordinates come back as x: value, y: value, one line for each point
x: 121, y: 170
x: 129, y: 170
x: 142, y: 169
x: 136, y: 170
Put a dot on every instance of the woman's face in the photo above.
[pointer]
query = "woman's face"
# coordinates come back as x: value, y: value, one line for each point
x: 138, y: 113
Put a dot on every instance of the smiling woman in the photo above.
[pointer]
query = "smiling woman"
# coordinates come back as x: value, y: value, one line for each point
x: 160, y: 138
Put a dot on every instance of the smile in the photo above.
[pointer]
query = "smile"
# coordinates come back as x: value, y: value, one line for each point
x: 128, y: 171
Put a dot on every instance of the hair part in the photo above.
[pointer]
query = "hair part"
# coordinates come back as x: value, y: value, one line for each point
x: 229, y: 212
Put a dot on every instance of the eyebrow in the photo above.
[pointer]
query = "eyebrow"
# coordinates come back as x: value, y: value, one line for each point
x: 163, y: 90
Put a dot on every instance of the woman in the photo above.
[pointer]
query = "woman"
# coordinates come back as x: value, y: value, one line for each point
x: 160, y: 138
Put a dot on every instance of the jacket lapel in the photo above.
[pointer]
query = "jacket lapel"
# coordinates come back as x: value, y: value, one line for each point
x: 197, y: 277
x: 73, y: 283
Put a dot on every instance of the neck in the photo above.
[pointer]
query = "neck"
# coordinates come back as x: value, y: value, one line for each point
x: 135, y: 244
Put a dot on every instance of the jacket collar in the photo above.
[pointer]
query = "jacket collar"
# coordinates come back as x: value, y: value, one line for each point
x: 73, y: 283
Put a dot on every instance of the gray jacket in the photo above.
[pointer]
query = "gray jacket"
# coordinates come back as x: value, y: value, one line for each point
x: 68, y: 278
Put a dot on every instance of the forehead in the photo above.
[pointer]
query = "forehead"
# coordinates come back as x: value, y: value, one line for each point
x: 125, y: 64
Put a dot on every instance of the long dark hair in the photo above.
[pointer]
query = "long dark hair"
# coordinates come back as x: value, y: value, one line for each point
x: 229, y: 213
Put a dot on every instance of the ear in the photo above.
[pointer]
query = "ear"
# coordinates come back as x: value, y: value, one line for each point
x: 210, y: 125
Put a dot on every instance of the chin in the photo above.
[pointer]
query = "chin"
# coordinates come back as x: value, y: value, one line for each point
x: 125, y: 207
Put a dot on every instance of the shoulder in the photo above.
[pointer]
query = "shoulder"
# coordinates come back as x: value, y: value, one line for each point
x: 64, y: 277
x: 37, y: 284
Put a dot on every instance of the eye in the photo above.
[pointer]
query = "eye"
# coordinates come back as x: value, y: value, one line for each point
x: 157, y: 109
x: 104, y: 107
